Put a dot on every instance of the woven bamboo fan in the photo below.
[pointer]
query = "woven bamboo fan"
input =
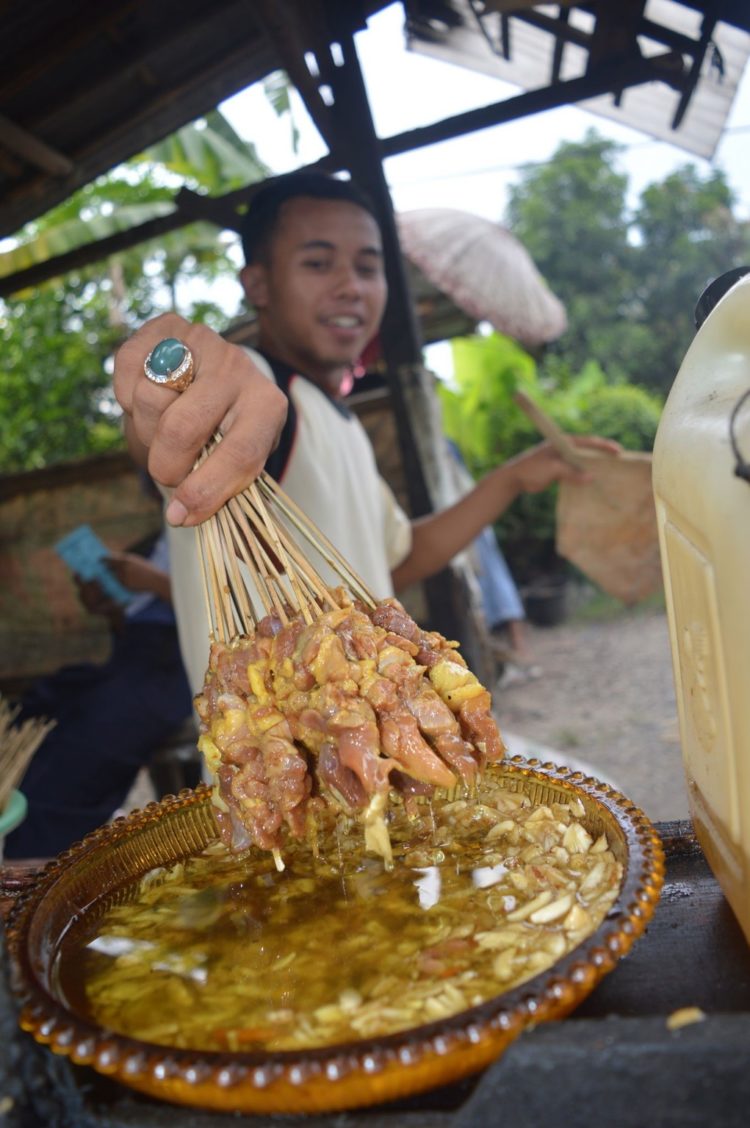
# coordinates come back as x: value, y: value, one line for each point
x: 607, y: 525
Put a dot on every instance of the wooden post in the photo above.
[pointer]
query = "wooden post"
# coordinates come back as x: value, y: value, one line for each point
x: 400, y: 337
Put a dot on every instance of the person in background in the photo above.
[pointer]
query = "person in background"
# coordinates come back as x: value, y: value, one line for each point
x: 110, y: 717
x: 314, y: 274
x: 502, y: 605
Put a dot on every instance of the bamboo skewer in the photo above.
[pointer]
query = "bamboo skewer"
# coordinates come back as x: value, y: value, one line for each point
x: 264, y: 577
x: 328, y: 551
x: 254, y: 562
x: 277, y: 544
x: 17, y: 746
x: 547, y: 426
x: 255, y: 552
x: 305, y: 574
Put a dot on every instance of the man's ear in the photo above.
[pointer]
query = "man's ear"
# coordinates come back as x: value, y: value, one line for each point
x: 253, y: 279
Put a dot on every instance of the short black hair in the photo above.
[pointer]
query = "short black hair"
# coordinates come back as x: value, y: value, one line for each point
x: 260, y: 222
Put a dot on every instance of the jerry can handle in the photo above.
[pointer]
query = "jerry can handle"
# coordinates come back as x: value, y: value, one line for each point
x: 715, y: 291
x: 741, y: 466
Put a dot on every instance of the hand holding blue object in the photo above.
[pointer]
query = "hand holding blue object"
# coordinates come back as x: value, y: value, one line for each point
x: 86, y: 555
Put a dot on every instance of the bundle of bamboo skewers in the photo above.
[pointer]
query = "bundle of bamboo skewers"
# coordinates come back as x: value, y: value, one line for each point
x: 316, y: 694
x: 250, y: 528
x: 18, y: 743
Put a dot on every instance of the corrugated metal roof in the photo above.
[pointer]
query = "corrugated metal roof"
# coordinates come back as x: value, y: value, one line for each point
x: 476, y: 42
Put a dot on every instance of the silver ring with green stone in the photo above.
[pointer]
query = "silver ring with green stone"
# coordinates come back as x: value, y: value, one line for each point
x: 170, y: 365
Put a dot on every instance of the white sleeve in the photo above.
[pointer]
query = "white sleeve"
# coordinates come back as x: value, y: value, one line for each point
x: 396, y: 528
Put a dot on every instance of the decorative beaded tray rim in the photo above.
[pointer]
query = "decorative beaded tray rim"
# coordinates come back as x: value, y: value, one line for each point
x: 332, y: 1077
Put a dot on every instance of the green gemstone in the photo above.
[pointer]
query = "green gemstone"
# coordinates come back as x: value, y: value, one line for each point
x: 167, y: 356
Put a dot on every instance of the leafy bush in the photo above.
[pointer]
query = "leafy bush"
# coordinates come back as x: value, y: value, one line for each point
x: 626, y: 413
x: 479, y: 413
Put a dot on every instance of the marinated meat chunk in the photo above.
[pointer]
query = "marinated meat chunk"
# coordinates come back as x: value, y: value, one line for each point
x: 479, y: 727
x: 348, y: 710
x: 341, y: 781
x: 358, y: 745
x: 404, y: 744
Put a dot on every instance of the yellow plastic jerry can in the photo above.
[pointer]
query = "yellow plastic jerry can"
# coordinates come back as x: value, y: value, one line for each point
x: 701, y: 474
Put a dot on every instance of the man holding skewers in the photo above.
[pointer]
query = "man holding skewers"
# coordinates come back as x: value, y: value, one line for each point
x: 314, y: 273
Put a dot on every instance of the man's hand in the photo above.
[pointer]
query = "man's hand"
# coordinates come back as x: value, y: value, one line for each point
x: 537, y: 468
x: 136, y: 573
x: 167, y: 430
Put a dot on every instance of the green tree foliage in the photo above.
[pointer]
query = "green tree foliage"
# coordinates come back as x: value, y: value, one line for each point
x: 277, y: 89
x: 208, y: 154
x: 570, y: 215
x: 480, y: 415
x: 478, y: 411
x: 689, y: 236
x: 57, y: 340
x: 629, y: 282
x: 52, y: 375
x: 624, y: 412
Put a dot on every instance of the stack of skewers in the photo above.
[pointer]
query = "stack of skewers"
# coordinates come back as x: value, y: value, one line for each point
x: 18, y: 743
x: 321, y: 697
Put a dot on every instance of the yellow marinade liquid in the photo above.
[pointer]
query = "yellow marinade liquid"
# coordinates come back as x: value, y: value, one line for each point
x: 226, y: 953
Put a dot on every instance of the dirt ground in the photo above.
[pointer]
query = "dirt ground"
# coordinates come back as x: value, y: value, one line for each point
x: 605, y: 696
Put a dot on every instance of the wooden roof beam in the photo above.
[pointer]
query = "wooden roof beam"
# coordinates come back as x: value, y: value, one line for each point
x: 89, y: 253
x: 190, y: 207
x: 667, y: 36
x: 139, y: 62
x: 615, y: 32
x: 400, y: 335
x: 559, y: 48
x: 559, y: 26
x: 280, y: 23
x: 32, y: 149
x: 171, y: 111
x: 566, y: 32
x: 707, y: 30
x: 81, y: 26
x: 665, y: 68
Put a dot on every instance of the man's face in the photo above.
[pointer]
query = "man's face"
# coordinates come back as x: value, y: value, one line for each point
x: 321, y: 295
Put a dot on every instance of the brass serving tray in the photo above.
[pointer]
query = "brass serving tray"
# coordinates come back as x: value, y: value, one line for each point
x: 333, y: 1077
